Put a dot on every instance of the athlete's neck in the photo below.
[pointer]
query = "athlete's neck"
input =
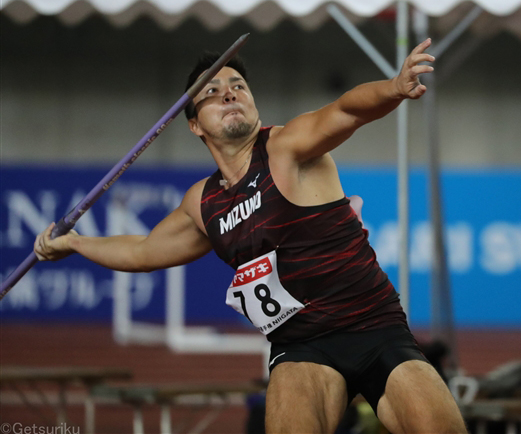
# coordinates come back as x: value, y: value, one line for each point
x: 233, y: 158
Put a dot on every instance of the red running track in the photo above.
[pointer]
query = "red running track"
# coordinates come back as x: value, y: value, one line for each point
x: 71, y: 345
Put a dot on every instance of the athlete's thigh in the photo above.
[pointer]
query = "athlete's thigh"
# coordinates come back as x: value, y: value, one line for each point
x: 304, y: 397
x: 416, y: 400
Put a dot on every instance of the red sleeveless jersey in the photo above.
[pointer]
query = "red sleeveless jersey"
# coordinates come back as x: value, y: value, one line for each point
x: 324, y: 259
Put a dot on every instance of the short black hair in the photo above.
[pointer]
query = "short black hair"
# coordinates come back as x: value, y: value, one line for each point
x: 205, y: 61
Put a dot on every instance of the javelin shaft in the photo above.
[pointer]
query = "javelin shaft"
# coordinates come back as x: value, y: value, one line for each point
x: 68, y: 221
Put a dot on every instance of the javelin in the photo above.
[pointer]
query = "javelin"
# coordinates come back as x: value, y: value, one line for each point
x: 68, y: 221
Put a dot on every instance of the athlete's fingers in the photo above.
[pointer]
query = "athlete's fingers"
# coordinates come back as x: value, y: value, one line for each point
x: 42, y: 242
x: 47, y: 233
x: 418, y: 91
x: 420, y: 48
x: 421, y: 69
x: 37, y: 242
x: 37, y: 248
x: 39, y: 256
x: 48, y: 242
x: 418, y: 58
x: 41, y: 247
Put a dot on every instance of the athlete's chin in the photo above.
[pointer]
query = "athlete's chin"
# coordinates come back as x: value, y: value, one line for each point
x: 237, y: 130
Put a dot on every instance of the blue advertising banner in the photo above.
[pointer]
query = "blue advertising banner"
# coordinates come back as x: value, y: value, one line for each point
x: 483, y: 230
x: 482, y: 216
x: 76, y: 289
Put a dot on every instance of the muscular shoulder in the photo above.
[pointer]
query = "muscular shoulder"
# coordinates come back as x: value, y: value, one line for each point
x: 191, y: 203
x: 275, y: 130
x: 275, y: 145
x: 306, y: 181
x: 196, y: 190
x: 273, y: 138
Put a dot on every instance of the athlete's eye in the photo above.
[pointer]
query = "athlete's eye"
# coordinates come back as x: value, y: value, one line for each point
x: 211, y: 90
x: 239, y: 86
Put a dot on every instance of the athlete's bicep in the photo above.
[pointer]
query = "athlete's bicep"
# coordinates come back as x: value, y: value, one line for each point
x: 174, y: 241
x: 314, y: 134
x: 178, y: 239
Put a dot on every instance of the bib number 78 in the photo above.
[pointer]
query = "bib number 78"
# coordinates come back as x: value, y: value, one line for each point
x: 257, y: 292
x: 270, y: 307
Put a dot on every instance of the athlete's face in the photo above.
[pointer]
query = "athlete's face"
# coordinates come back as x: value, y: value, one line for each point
x: 225, y: 108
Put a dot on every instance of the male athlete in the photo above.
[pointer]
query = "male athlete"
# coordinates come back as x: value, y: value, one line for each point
x: 306, y: 276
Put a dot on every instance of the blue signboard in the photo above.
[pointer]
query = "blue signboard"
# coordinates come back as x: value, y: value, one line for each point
x: 76, y: 289
x: 483, y: 227
x: 482, y: 215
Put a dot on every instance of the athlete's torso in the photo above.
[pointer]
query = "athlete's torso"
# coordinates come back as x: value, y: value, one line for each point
x: 324, y: 259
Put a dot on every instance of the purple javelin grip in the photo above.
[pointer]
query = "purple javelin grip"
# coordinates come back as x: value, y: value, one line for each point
x: 68, y: 222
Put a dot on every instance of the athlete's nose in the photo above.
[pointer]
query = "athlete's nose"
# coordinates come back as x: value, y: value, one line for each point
x: 229, y: 96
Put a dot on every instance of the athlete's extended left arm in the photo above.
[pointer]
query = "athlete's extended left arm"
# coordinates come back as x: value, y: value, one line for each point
x: 316, y: 133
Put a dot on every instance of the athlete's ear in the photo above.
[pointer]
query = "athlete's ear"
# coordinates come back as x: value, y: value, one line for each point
x: 193, y: 124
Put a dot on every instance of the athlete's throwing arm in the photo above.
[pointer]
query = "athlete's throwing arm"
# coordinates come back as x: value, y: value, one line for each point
x: 178, y: 239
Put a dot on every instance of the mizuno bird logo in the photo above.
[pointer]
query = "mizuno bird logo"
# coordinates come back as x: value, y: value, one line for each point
x: 254, y: 182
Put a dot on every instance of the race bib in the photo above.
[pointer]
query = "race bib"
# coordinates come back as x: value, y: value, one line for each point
x: 256, y: 292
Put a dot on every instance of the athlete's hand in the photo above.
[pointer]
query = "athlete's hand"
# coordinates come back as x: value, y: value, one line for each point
x: 53, y: 250
x: 407, y: 82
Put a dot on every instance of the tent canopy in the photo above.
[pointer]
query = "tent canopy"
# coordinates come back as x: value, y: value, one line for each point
x: 263, y: 14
